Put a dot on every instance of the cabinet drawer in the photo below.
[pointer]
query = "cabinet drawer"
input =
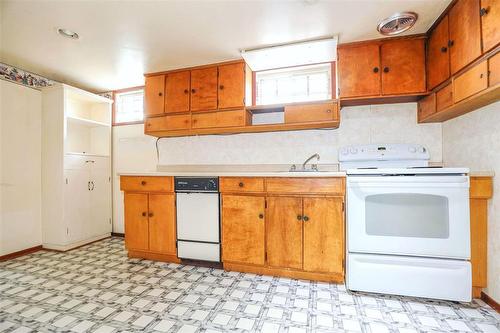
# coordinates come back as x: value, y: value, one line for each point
x: 471, y: 82
x: 168, y: 123
x: 305, y: 185
x: 310, y: 113
x: 146, y: 184
x: 494, y: 70
x: 444, y: 98
x: 219, y: 119
x: 241, y: 184
x: 426, y: 107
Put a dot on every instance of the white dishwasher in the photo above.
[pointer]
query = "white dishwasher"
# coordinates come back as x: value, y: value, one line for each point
x: 198, y: 222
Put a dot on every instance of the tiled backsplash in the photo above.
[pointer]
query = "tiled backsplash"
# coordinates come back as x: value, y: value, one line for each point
x: 394, y: 123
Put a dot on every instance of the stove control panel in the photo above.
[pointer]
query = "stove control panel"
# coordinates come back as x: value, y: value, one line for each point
x: 379, y: 152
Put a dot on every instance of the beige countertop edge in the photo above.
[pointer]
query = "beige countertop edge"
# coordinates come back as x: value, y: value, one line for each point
x: 236, y: 174
x: 482, y: 174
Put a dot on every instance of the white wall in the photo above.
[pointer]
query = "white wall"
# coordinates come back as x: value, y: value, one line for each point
x: 473, y: 140
x: 394, y: 123
x: 20, y: 167
x: 134, y: 151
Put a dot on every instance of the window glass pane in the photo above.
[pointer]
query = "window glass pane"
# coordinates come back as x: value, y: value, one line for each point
x: 129, y: 106
x: 296, y: 84
x: 407, y: 215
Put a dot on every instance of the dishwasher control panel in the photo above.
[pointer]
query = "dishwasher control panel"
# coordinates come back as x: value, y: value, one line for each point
x: 196, y: 184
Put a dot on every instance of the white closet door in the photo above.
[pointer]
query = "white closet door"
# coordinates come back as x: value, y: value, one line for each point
x: 76, y: 203
x: 100, y: 197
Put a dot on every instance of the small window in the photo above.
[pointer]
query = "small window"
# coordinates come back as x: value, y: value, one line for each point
x: 296, y: 84
x: 129, y: 106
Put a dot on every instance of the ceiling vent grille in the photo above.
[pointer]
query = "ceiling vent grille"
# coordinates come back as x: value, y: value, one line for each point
x: 397, y: 23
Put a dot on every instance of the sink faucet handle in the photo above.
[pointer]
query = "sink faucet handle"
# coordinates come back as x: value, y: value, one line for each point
x: 293, y: 167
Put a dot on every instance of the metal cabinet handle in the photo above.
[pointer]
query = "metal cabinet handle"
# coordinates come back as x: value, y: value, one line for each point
x: 88, y: 186
x: 451, y: 43
x: 305, y: 218
x: 193, y: 91
x: 93, y: 185
x: 221, y: 87
x: 299, y: 217
x: 261, y: 216
x: 483, y: 11
x: 160, y: 94
x: 186, y: 91
x: 386, y: 69
x: 375, y: 70
x: 143, y: 213
x: 150, y: 214
x: 328, y: 111
x: 444, y: 49
x: 143, y: 183
x: 241, y: 184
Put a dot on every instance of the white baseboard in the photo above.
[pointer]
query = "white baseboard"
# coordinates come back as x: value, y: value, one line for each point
x: 66, y: 247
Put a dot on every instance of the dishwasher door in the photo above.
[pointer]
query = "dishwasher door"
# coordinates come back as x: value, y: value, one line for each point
x: 198, y: 230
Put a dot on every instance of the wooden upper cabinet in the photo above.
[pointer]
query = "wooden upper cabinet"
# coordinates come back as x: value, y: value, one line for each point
x: 204, y: 89
x: 177, y: 88
x: 243, y: 225
x: 136, y: 221
x: 284, y: 232
x: 161, y: 214
x: 231, y: 86
x: 438, y: 56
x: 403, y: 66
x: 490, y: 21
x: 444, y: 98
x: 426, y: 107
x: 323, y: 235
x: 465, y: 33
x: 470, y: 82
x: 154, y: 95
x: 359, y: 70
x: 494, y: 70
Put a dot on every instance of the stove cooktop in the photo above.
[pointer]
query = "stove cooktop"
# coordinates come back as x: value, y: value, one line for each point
x: 408, y: 171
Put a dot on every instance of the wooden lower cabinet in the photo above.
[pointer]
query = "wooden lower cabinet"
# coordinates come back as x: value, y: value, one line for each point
x: 150, y: 231
x: 243, y: 229
x: 288, y: 233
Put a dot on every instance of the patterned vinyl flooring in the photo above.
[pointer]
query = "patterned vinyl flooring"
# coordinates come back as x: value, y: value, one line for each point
x: 96, y: 288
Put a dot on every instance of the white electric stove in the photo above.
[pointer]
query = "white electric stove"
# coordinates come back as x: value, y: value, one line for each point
x: 408, y: 228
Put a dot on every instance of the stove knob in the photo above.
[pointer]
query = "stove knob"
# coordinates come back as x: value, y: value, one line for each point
x: 354, y: 150
x: 345, y: 151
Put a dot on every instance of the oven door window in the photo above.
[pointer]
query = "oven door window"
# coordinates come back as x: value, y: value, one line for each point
x: 407, y: 215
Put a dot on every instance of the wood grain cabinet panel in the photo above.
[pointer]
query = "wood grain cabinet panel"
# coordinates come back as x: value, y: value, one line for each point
x: 162, y: 233
x: 177, y: 91
x: 168, y: 123
x: 359, y: 70
x: 204, y: 89
x: 154, y: 95
x: 470, y: 82
x: 243, y: 225
x: 305, y: 185
x: 146, y: 184
x: 231, y: 86
x: 136, y: 221
x: 284, y: 232
x: 438, y: 56
x: 219, y: 119
x: 403, y: 66
x: 323, y: 235
x: 426, y: 107
x: 494, y: 70
x: 444, y: 98
x: 310, y: 113
x: 465, y: 33
x: 241, y: 184
x: 490, y: 23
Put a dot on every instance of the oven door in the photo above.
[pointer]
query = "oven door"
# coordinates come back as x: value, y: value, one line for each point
x: 409, y: 215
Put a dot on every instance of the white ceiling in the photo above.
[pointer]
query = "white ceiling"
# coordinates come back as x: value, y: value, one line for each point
x: 121, y: 40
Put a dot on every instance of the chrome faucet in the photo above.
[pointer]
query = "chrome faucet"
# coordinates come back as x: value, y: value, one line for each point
x: 313, y: 166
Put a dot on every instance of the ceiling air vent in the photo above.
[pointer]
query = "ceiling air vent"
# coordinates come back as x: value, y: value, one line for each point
x: 397, y: 23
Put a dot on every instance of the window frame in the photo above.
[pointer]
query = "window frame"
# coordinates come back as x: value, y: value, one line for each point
x: 121, y: 91
x: 333, y: 81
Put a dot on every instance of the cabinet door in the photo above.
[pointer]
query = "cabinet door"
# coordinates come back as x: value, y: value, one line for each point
x: 403, y: 66
x: 490, y: 21
x: 177, y: 86
x: 444, y: 98
x: 438, y: 56
x: 161, y: 213
x: 284, y: 232
x: 470, y: 82
x: 77, y: 203
x: 220, y: 119
x: 168, y: 123
x: 465, y: 34
x: 100, y: 196
x: 243, y: 226
x: 359, y: 70
x: 136, y: 221
x: 310, y: 113
x: 426, y: 107
x: 154, y: 95
x: 323, y: 235
x: 232, y: 86
x: 204, y: 89
x: 494, y: 70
